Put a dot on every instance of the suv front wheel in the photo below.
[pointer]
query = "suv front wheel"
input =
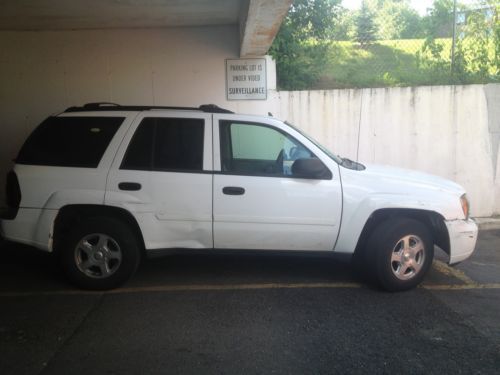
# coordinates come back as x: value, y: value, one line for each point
x: 400, y: 253
x: 100, y: 253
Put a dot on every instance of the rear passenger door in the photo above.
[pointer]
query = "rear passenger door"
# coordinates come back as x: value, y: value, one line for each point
x: 162, y: 175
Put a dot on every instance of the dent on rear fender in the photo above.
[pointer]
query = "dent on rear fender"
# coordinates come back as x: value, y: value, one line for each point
x: 63, y: 198
x: 130, y: 202
x: 50, y: 244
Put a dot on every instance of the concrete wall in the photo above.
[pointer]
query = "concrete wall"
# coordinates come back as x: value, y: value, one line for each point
x: 450, y: 131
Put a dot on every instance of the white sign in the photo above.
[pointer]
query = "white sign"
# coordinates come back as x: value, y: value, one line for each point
x: 246, y: 79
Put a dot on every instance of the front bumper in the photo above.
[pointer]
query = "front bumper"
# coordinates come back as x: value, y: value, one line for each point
x: 463, y: 237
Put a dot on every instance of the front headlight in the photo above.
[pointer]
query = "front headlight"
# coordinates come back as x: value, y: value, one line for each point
x: 465, y: 205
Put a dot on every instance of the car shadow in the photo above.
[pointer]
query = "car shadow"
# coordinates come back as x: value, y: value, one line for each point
x: 243, y: 268
x: 24, y: 268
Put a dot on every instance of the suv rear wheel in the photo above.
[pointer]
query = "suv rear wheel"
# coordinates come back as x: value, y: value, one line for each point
x: 100, y: 253
x: 399, y: 254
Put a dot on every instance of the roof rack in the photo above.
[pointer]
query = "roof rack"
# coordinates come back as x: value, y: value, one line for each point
x: 105, y: 106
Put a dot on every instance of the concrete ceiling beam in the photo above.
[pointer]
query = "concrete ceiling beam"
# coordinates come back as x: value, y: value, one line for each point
x: 261, y: 24
x: 106, y: 14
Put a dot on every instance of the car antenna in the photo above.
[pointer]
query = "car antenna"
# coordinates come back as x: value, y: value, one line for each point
x: 270, y: 114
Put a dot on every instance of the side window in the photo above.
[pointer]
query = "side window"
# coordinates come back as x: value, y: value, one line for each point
x: 69, y: 141
x: 256, y: 149
x: 166, y: 144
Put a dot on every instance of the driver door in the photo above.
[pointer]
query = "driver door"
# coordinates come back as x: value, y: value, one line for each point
x: 258, y: 203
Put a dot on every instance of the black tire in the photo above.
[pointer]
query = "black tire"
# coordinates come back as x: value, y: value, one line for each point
x: 119, y: 250
x: 387, y: 242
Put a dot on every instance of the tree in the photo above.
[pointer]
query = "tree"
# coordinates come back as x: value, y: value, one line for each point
x: 366, y: 29
x: 474, y: 58
x: 396, y: 19
x: 477, y: 42
x: 344, y: 27
x: 301, y: 46
x: 439, y: 21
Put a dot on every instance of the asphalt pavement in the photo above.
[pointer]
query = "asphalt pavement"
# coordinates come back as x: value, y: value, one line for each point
x: 250, y: 314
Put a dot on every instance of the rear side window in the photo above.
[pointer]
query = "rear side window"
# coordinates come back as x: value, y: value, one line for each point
x: 166, y: 144
x: 69, y: 141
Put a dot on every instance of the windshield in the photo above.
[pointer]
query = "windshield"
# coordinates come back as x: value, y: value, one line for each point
x: 336, y: 158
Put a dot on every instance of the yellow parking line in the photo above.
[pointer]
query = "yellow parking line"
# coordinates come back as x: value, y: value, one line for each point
x: 175, y: 288
x: 454, y: 272
x: 462, y: 286
x: 190, y: 288
x: 236, y: 287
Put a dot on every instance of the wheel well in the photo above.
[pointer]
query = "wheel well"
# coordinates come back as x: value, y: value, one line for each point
x: 432, y: 220
x: 71, y: 215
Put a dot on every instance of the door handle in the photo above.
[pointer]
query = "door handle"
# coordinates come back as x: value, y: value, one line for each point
x: 233, y: 190
x: 130, y: 186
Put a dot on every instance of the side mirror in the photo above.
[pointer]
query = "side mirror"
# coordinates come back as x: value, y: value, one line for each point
x: 311, y: 168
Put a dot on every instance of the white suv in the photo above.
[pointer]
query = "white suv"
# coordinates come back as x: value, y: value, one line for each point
x: 101, y: 185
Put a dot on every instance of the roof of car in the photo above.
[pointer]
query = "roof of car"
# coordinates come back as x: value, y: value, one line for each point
x: 104, y: 106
